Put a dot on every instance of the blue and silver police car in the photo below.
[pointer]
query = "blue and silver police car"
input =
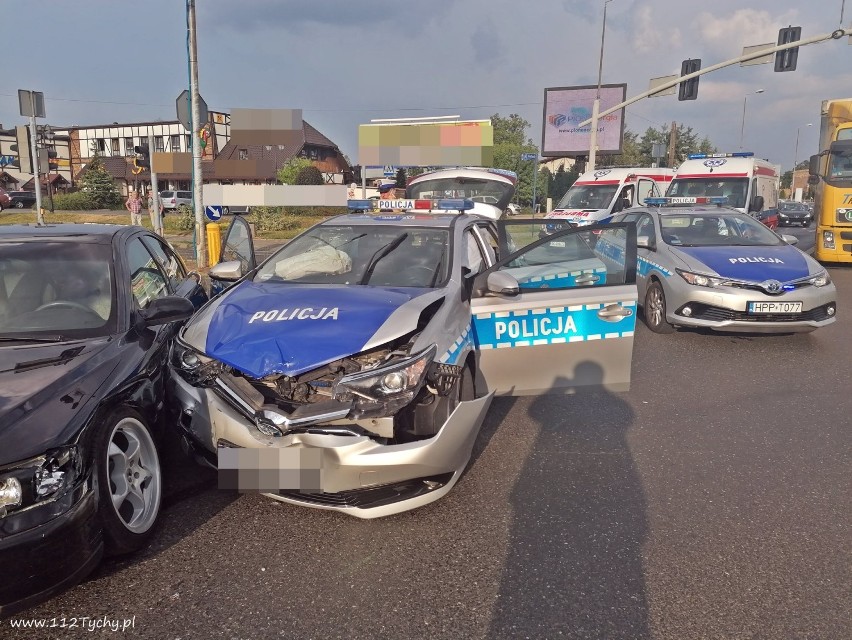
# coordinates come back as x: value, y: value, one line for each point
x: 702, y: 264
x: 353, y: 368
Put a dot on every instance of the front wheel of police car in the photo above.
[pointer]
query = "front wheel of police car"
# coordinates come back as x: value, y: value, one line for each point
x: 655, y: 309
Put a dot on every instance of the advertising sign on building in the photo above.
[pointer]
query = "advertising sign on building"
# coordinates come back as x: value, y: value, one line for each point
x: 566, y: 107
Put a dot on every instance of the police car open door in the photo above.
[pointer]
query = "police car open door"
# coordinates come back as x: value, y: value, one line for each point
x: 239, y: 245
x: 556, y: 313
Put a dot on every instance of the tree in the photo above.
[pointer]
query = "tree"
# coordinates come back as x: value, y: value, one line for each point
x: 401, y: 178
x: 99, y: 185
x: 562, y: 181
x: 636, y: 151
x: 288, y: 173
x: 309, y: 175
x: 509, y: 143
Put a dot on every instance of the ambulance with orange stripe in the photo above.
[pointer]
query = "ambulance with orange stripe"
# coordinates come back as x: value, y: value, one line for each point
x: 750, y: 184
x: 600, y: 194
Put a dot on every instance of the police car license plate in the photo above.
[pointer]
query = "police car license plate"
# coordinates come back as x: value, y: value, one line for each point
x: 774, y: 307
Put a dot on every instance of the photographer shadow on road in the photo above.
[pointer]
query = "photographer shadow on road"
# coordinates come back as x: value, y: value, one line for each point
x: 574, y: 564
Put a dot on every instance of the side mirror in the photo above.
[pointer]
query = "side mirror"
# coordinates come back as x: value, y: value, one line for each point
x: 644, y: 242
x: 813, y: 167
x: 229, y: 271
x: 813, y: 180
x: 792, y: 240
x: 165, y: 310
x: 503, y: 284
x: 756, y: 204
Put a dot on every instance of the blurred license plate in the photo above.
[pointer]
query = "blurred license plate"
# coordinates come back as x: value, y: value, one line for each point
x: 557, y: 243
x: 774, y: 307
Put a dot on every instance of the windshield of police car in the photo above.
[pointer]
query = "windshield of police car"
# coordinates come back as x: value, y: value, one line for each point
x: 61, y: 289
x: 711, y: 230
x: 588, y: 196
x: 734, y: 189
x: 381, y: 255
x: 495, y: 192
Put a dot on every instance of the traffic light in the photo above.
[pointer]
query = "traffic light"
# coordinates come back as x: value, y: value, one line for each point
x: 22, y: 146
x: 786, y: 60
x: 143, y: 157
x: 46, y: 160
x: 688, y: 90
x: 356, y: 173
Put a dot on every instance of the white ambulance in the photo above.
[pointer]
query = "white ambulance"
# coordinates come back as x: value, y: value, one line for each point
x: 750, y: 184
x: 599, y: 194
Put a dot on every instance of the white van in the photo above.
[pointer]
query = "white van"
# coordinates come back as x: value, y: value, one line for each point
x: 750, y: 184
x: 599, y: 194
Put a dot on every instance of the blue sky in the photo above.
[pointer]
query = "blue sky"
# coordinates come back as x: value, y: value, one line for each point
x: 346, y: 62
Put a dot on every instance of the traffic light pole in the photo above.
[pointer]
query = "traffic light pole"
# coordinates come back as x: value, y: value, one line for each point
x: 197, y: 177
x: 834, y: 35
x: 34, y: 152
x: 157, y: 219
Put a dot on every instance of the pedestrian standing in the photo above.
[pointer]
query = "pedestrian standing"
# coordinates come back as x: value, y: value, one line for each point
x: 134, y: 206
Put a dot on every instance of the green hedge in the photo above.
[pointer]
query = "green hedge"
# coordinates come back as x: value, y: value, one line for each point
x: 78, y: 201
x: 274, y: 219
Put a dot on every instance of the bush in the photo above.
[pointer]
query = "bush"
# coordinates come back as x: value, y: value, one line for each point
x: 274, y: 219
x: 184, y: 218
x: 310, y: 175
x: 77, y: 201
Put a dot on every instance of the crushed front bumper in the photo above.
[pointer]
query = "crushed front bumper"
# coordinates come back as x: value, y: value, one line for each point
x: 350, y: 473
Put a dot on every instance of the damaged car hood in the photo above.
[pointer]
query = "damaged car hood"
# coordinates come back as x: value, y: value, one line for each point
x: 263, y: 328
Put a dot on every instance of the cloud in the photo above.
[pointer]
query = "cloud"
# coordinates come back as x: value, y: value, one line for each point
x: 729, y: 33
x: 488, y: 48
x: 648, y: 36
x: 582, y: 9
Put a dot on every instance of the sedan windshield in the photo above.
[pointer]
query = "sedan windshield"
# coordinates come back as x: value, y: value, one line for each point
x: 494, y: 192
x: 58, y: 289
x: 588, y: 196
x: 695, y: 230
x: 383, y: 255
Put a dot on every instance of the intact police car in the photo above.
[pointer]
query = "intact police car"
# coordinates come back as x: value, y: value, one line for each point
x: 701, y: 264
x: 352, y: 369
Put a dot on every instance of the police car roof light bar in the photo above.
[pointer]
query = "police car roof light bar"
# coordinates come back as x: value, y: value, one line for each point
x: 359, y: 205
x: 459, y: 204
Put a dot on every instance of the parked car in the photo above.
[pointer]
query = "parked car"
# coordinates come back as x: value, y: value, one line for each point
x: 490, y: 189
x: 709, y: 266
x: 173, y: 199
x: 361, y: 358
x: 22, y: 199
x: 86, y: 324
x: 5, y: 200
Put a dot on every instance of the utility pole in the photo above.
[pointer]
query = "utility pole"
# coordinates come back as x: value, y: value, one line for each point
x: 157, y: 220
x: 197, y: 177
x: 34, y: 152
x: 672, y: 144
x: 596, y: 106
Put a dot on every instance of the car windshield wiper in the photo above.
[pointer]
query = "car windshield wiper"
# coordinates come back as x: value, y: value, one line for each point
x: 381, y: 253
x: 23, y: 337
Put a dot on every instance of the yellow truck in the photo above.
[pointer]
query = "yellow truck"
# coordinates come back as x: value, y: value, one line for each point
x: 831, y: 176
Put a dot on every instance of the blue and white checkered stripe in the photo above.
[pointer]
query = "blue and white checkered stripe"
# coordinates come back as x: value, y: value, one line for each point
x: 562, y: 280
x: 458, y: 348
x: 550, y: 325
x: 645, y: 266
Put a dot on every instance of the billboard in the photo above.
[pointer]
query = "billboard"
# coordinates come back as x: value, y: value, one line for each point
x: 434, y: 144
x: 566, y: 107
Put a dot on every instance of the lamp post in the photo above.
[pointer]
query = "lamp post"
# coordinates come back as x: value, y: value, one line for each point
x: 596, y: 107
x: 796, y: 159
x: 742, y: 127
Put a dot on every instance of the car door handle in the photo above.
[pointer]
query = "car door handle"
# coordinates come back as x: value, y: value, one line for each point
x: 614, y: 313
x: 587, y: 279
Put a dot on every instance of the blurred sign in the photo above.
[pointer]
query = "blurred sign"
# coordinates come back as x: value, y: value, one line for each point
x: 767, y: 59
x: 656, y: 82
x: 566, y: 107
x: 433, y: 144
x: 528, y: 156
x: 389, y: 171
x: 4, y: 160
x: 31, y: 103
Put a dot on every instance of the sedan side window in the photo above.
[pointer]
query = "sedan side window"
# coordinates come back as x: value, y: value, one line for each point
x: 147, y: 281
x: 175, y: 272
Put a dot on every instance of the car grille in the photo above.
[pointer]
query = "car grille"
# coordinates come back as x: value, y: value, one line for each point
x: 371, y: 496
x: 718, y: 314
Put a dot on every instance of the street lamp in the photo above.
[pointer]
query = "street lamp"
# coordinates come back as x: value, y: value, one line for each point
x: 742, y: 128
x: 593, y: 142
x: 796, y: 159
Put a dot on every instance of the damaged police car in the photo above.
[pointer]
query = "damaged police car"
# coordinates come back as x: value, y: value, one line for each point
x: 353, y: 368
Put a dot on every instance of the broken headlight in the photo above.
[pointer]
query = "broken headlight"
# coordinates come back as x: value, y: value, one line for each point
x: 40, y: 480
x: 192, y: 365
x: 387, y: 387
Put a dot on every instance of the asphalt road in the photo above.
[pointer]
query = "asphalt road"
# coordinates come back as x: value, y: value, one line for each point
x: 711, y: 501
